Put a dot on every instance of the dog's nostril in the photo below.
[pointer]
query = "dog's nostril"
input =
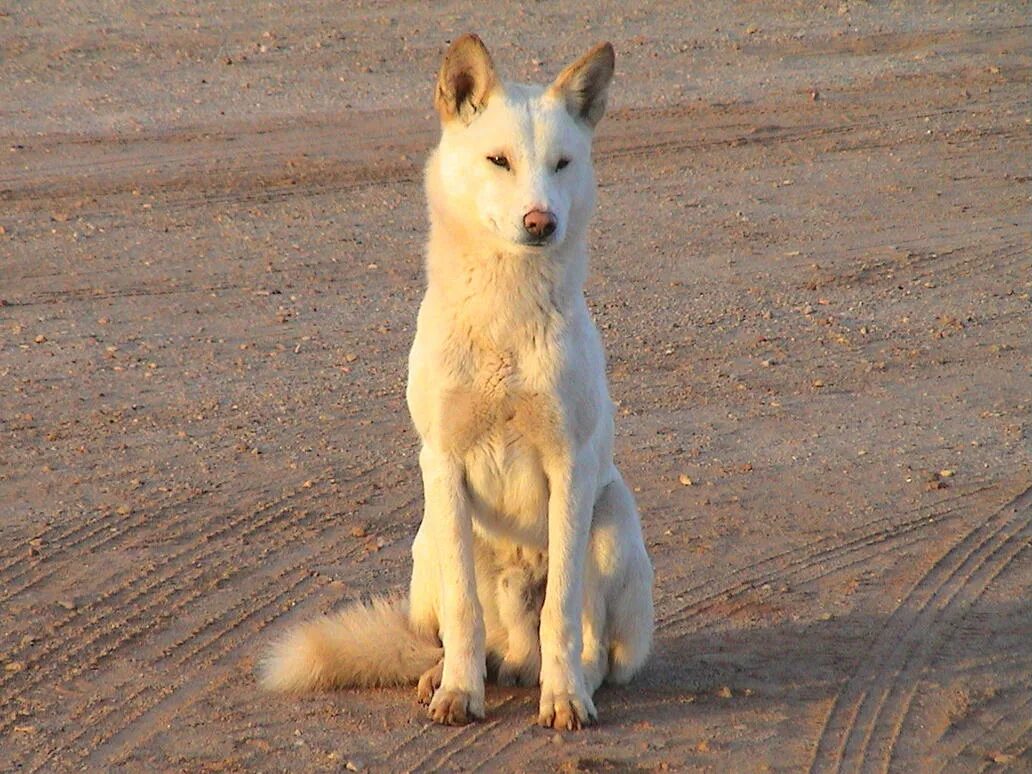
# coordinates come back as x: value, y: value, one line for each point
x: 539, y: 223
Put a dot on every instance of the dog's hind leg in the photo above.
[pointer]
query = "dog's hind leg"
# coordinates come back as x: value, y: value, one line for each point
x: 624, y: 576
x: 519, y: 610
x: 429, y: 682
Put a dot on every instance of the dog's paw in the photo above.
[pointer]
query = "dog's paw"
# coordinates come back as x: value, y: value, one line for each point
x: 523, y: 673
x: 565, y: 711
x: 455, y: 708
x: 429, y: 682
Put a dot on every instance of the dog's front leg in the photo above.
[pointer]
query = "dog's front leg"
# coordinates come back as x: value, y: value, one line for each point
x: 461, y: 695
x: 565, y: 700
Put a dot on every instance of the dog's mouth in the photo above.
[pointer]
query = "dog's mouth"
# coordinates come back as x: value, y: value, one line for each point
x: 538, y: 241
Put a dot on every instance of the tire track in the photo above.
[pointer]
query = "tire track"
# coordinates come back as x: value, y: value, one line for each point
x: 218, y: 627
x: 193, y: 153
x: 495, y: 756
x: 483, y: 729
x: 284, y: 584
x: 89, y: 632
x: 892, y: 721
x: 267, y: 181
x: 446, y: 748
x: 795, y: 563
x: 151, y: 713
x: 533, y: 740
x: 423, y: 729
x: 89, y: 537
x: 89, y: 295
x: 110, y: 703
x: 1010, y: 251
x: 455, y: 743
x: 213, y: 639
x: 1013, y: 745
x: 243, y: 184
x: 133, y: 574
x: 80, y: 531
x: 1000, y: 259
x: 861, y: 729
x: 803, y: 579
x: 322, y: 185
x: 456, y: 736
x: 987, y: 726
x: 771, y: 136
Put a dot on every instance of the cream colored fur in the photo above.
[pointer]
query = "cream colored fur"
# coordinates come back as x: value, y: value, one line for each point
x: 366, y: 645
x: 530, y: 556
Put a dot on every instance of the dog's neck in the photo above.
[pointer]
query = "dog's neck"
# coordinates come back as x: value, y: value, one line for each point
x: 508, y: 299
x: 483, y: 273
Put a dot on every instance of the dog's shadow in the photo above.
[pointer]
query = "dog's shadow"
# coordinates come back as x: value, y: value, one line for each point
x: 789, y: 664
x: 718, y: 689
x: 789, y: 660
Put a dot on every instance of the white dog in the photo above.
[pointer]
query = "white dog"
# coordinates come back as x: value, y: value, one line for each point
x: 530, y: 556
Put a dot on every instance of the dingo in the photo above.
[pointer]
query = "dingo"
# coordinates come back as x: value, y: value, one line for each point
x: 529, y: 559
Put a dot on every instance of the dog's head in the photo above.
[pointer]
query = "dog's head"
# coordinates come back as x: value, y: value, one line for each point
x: 514, y: 161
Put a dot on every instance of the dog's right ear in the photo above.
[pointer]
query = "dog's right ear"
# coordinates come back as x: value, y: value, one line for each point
x: 466, y: 80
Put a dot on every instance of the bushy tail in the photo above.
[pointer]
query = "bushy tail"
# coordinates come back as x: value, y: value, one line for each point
x: 366, y: 645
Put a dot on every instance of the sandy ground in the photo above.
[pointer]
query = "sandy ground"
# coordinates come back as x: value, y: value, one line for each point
x: 812, y: 266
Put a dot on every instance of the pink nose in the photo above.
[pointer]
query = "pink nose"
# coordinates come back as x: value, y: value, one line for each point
x: 539, y: 223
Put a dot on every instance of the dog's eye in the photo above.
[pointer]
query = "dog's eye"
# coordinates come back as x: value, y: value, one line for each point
x: 499, y: 161
x: 563, y: 163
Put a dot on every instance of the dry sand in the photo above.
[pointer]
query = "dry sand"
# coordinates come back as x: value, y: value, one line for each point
x: 811, y: 268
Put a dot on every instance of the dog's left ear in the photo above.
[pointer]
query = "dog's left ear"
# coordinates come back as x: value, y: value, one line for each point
x: 583, y: 85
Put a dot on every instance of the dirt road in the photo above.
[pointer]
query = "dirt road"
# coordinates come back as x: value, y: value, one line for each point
x: 812, y: 266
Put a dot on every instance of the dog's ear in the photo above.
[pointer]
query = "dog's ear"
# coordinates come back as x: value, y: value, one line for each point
x: 466, y: 80
x: 583, y: 85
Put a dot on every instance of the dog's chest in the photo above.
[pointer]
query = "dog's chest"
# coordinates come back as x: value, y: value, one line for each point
x: 508, y: 488
x: 503, y: 425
